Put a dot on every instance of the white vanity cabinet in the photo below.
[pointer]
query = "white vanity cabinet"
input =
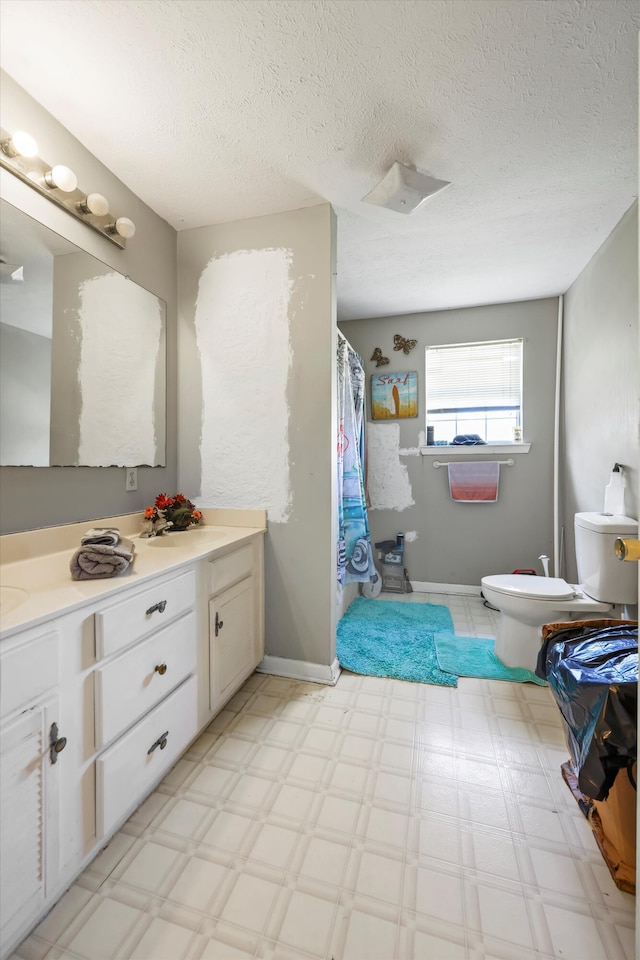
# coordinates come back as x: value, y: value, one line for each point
x: 117, y: 680
x: 236, y: 628
x: 129, y: 679
x: 31, y: 741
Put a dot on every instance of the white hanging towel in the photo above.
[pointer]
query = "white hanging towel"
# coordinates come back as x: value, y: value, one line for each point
x: 474, y: 482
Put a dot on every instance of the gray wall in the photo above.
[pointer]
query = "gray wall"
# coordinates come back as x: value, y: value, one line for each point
x: 601, y: 378
x: 459, y: 543
x: 44, y: 496
x: 299, y: 550
x: 25, y: 395
x: 66, y: 397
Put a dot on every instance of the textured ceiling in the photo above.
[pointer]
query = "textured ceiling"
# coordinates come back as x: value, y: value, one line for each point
x: 214, y: 111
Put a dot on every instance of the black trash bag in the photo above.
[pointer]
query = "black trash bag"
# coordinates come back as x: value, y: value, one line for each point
x: 593, y: 674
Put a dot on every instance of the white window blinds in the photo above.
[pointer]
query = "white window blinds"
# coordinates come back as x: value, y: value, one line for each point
x: 470, y: 377
x: 474, y: 390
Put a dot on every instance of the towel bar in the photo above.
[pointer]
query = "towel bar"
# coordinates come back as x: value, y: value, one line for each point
x: 445, y: 463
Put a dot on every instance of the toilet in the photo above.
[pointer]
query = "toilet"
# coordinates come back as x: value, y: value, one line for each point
x: 527, y: 602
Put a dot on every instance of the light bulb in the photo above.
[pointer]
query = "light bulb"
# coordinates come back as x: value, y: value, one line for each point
x: 125, y: 227
x: 95, y: 203
x: 20, y: 144
x: 61, y: 177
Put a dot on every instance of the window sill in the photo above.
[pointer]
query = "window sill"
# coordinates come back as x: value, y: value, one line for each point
x: 474, y: 450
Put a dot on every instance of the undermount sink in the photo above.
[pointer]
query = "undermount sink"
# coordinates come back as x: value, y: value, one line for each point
x: 181, y: 539
x: 164, y: 541
x: 11, y: 597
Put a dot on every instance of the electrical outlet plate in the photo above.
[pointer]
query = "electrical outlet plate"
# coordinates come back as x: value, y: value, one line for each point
x: 131, y: 478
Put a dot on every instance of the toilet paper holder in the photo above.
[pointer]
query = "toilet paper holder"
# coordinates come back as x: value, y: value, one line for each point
x: 627, y: 549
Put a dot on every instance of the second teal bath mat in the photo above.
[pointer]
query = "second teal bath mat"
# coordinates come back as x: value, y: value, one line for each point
x: 474, y: 657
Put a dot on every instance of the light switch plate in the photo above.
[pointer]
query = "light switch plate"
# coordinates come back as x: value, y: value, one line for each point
x: 131, y: 479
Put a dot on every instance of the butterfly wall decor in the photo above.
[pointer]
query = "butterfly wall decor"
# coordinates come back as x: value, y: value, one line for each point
x: 399, y: 343
x: 377, y: 356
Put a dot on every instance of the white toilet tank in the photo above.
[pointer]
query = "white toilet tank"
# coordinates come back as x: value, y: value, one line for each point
x: 601, y: 575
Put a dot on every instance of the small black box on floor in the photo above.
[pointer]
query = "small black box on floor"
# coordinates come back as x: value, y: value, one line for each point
x: 395, y: 578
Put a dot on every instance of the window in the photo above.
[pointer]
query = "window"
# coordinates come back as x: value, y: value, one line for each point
x: 475, y: 388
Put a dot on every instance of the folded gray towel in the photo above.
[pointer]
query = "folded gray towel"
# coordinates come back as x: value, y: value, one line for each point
x: 95, y: 561
x: 107, y: 535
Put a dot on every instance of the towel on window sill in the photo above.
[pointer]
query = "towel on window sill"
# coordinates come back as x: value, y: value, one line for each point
x: 97, y: 561
x: 474, y: 482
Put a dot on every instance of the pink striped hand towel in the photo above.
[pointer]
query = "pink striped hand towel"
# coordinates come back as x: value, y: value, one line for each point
x: 475, y: 482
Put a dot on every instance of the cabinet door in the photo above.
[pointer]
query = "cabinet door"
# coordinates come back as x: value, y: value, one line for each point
x: 29, y: 825
x: 232, y: 639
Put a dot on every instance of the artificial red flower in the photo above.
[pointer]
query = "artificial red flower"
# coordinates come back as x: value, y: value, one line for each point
x: 177, y: 509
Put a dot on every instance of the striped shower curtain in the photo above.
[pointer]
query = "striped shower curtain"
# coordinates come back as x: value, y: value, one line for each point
x: 355, y: 557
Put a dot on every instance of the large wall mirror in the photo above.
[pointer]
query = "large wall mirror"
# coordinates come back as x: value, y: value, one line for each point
x: 82, y: 356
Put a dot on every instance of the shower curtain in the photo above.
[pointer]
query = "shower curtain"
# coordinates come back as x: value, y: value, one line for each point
x: 355, y: 557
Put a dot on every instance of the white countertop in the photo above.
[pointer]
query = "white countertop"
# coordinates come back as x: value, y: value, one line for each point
x: 37, y: 588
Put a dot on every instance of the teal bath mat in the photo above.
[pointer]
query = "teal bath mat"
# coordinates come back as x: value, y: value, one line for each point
x: 474, y: 657
x: 386, y: 638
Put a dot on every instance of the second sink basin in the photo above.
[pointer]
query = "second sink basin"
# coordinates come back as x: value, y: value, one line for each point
x: 11, y: 597
x: 182, y: 539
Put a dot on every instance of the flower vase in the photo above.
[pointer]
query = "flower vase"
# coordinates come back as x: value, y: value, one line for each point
x: 180, y: 516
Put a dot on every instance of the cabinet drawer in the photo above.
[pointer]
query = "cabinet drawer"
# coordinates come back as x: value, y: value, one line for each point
x: 227, y: 570
x: 27, y: 670
x: 128, y: 769
x: 122, y: 624
x: 135, y: 681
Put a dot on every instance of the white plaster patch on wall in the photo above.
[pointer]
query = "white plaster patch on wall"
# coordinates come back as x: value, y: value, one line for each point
x: 410, y: 536
x: 414, y: 451
x: 117, y: 416
x: 388, y: 478
x: 242, y: 332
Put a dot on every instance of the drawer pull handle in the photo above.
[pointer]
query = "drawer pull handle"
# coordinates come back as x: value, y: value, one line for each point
x: 219, y: 624
x: 160, y: 742
x: 161, y: 668
x: 160, y: 607
x: 56, y: 743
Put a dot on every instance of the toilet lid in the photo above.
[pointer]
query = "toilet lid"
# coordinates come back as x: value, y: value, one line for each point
x: 531, y: 588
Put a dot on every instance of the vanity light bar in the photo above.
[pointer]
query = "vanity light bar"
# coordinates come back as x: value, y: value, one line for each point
x: 19, y: 155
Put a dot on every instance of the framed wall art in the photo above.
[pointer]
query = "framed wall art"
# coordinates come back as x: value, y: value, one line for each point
x: 394, y: 396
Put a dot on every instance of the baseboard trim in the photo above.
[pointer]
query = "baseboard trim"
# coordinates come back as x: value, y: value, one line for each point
x: 423, y: 586
x: 300, y: 670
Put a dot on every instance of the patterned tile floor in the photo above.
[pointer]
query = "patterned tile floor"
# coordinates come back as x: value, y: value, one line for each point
x: 375, y: 819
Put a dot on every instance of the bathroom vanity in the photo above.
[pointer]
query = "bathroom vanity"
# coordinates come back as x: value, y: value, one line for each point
x: 105, y: 683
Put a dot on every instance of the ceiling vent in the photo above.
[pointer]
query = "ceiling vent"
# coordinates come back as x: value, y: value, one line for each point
x: 404, y: 189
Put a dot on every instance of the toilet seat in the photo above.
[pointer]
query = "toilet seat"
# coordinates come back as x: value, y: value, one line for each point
x: 531, y: 588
